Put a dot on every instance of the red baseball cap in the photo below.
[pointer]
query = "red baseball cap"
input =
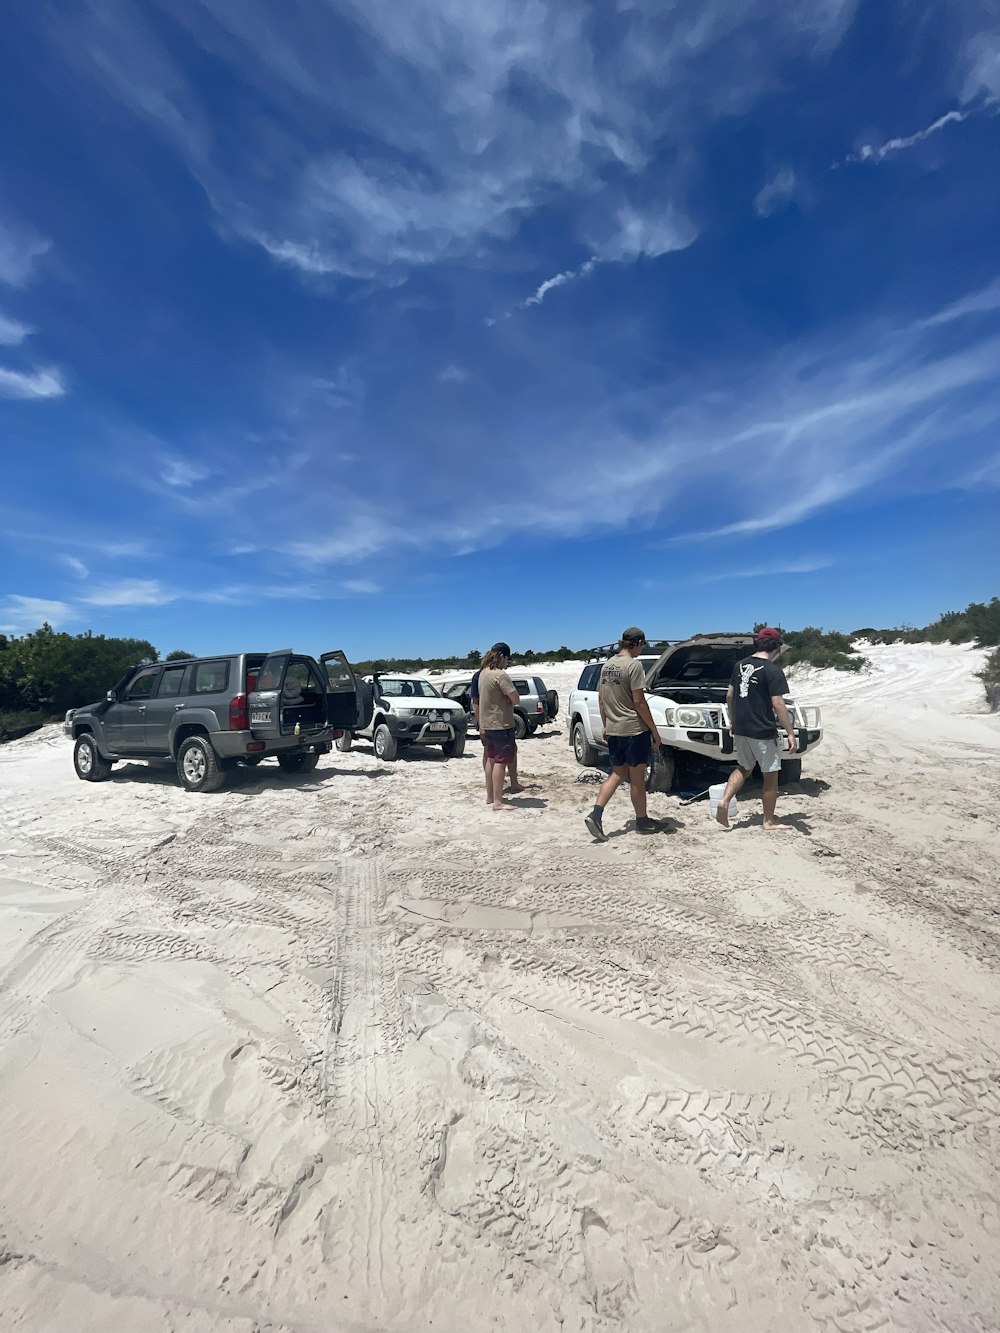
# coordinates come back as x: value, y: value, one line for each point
x: 768, y: 633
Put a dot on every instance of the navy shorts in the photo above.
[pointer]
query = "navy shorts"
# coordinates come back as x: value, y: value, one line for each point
x: 501, y: 746
x: 630, y: 751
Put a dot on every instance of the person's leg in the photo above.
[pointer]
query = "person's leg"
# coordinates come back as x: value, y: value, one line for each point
x: 733, y: 787
x: 499, y: 769
x: 515, y: 786
x: 488, y: 774
x: 770, y: 798
x: 637, y: 789
x: 609, y: 786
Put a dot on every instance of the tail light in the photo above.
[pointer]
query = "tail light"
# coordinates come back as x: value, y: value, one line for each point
x: 539, y: 707
x: 238, y: 713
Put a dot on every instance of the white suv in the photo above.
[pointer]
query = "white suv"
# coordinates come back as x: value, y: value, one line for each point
x: 686, y: 685
x: 408, y: 710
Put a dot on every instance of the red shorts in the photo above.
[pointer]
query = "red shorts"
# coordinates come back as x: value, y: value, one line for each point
x: 501, y: 747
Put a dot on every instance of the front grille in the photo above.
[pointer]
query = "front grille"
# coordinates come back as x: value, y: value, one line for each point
x: 436, y: 714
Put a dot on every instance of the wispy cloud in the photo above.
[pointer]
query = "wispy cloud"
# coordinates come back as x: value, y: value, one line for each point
x: 804, y: 566
x: 31, y: 384
x: 447, y: 161
x: 775, y: 193
x: 76, y: 565
x: 13, y: 332
x: 19, y: 615
x: 130, y: 592
x: 453, y: 374
x: 182, y: 472
x: 20, y: 250
x: 362, y: 587
x: 879, y: 152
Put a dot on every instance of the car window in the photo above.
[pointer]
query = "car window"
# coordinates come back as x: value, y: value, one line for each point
x: 141, y: 686
x: 339, y: 678
x: 170, y: 682
x: 394, y: 688
x: 539, y: 685
x: 590, y: 678
x: 454, y: 691
x: 209, y: 677
x: 522, y: 686
x: 299, y: 680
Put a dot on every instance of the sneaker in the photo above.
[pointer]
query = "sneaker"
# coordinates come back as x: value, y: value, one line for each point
x: 596, y: 828
x: 646, y: 825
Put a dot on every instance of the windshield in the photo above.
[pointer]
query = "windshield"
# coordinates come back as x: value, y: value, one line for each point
x: 404, y: 689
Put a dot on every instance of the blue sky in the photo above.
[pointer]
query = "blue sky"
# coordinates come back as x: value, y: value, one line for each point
x: 403, y: 328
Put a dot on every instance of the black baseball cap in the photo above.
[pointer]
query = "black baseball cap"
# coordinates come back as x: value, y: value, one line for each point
x: 502, y: 648
x: 633, y: 635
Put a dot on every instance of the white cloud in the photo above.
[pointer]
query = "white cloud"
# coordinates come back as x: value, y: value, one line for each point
x: 19, y: 615
x: 804, y: 566
x: 775, y: 193
x: 363, y: 587
x: 13, y: 332
x: 181, y: 473
x: 31, y: 384
x: 453, y: 374
x: 20, y: 250
x: 468, y: 115
x: 879, y: 152
x: 76, y: 565
x: 130, y: 592
x: 983, y: 302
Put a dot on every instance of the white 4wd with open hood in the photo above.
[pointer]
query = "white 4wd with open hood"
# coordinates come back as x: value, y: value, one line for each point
x: 686, y: 685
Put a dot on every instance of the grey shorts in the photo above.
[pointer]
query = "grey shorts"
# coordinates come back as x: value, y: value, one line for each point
x: 750, y: 751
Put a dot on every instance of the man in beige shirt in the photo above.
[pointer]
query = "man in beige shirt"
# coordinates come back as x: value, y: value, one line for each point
x: 629, y: 729
x: 497, y: 697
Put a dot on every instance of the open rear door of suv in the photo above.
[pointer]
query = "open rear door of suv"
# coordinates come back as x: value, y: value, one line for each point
x: 344, y: 696
x: 264, y: 702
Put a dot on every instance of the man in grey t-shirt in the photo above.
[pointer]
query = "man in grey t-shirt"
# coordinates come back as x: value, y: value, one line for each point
x: 629, y: 729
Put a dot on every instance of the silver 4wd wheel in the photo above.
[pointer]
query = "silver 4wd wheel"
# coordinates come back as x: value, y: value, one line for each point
x: 520, y: 726
x: 197, y: 766
x: 88, y: 761
x: 385, y: 743
x: 583, y: 751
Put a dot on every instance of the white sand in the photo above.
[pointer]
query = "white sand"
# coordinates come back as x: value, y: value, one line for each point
x: 350, y: 1052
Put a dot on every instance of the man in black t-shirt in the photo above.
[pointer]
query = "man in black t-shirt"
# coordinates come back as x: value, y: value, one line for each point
x: 756, y: 704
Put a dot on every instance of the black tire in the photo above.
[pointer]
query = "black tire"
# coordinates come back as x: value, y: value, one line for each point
x: 304, y: 762
x: 345, y: 742
x: 520, y: 726
x: 662, y: 767
x: 90, y: 764
x: 453, y: 749
x: 791, y: 771
x: 584, y: 752
x: 252, y: 760
x: 385, y: 743
x: 552, y: 705
x: 197, y: 765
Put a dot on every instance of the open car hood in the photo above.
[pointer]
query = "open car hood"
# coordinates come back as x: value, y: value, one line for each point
x: 706, y: 659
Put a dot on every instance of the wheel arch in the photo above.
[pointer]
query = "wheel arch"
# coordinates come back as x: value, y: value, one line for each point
x: 183, y: 732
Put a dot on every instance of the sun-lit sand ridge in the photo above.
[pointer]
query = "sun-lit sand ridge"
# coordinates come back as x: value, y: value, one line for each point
x: 347, y: 1052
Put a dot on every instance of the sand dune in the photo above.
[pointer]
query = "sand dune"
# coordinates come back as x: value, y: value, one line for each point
x: 346, y: 1051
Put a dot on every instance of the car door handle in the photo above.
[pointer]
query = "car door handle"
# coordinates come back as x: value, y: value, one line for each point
x: 177, y: 707
x: 142, y: 708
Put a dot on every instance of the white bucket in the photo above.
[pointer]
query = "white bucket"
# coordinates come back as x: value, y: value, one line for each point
x: 715, y: 795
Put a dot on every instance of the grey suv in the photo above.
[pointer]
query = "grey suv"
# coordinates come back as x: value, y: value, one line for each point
x: 211, y: 713
x: 535, y: 706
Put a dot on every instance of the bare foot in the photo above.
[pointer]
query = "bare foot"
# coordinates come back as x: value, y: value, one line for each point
x: 504, y: 809
x: 515, y: 787
x: 775, y: 827
x: 722, y: 815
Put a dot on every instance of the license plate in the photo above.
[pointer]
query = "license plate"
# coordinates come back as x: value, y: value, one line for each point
x: 259, y: 719
x: 437, y: 726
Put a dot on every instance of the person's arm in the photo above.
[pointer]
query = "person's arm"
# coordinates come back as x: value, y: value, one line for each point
x: 781, y: 713
x: 729, y: 708
x: 642, y: 708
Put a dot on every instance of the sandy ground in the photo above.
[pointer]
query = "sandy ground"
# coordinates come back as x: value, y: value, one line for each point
x: 347, y: 1051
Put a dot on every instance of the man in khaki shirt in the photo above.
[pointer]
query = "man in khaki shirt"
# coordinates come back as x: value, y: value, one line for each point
x: 497, y: 697
x: 629, y: 730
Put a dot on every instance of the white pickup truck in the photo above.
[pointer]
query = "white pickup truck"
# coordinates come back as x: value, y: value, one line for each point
x: 686, y: 686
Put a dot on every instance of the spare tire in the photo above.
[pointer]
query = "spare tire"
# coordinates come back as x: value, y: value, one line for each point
x: 552, y: 705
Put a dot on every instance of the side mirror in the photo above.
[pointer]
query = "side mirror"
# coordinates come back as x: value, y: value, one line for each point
x: 376, y: 690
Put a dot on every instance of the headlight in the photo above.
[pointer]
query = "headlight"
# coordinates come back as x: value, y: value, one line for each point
x: 670, y: 717
x: 403, y: 712
x: 690, y: 717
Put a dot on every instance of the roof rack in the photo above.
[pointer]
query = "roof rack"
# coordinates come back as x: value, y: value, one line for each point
x: 609, y: 649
